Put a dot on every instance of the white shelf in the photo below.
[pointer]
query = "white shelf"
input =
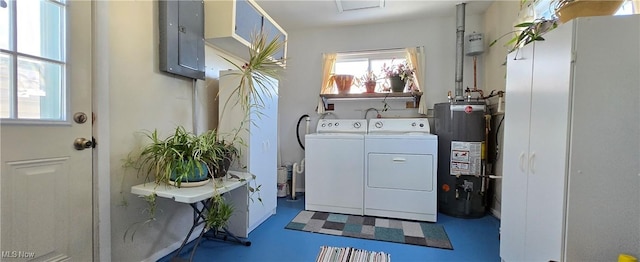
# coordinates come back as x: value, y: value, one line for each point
x: 408, y: 96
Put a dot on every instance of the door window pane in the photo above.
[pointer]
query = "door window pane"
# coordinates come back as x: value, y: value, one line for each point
x: 40, y: 37
x: 4, y: 24
x: 40, y: 90
x: 32, y: 64
x: 5, y: 86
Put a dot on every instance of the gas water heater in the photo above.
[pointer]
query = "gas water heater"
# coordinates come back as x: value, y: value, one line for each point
x: 462, y: 183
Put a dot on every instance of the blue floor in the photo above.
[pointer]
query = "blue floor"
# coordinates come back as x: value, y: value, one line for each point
x: 472, y: 240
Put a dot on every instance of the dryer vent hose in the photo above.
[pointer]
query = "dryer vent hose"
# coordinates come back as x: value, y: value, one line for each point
x: 298, y: 129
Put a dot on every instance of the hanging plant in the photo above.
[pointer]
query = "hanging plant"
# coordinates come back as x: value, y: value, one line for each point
x: 256, y: 75
x: 528, y: 32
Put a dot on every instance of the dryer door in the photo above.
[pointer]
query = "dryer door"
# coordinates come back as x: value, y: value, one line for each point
x: 400, y: 171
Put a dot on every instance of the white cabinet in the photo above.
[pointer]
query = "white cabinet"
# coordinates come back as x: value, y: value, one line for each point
x: 571, y: 180
x: 229, y: 25
x: 258, y: 155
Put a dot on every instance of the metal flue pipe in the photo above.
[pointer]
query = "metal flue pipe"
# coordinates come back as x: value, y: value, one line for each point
x: 460, y: 8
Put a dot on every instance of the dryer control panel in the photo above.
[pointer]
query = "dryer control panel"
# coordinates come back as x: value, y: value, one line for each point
x: 399, y: 125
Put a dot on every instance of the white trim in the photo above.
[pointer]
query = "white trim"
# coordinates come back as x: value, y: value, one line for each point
x: 101, y: 154
x: 22, y: 121
x: 372, y: 54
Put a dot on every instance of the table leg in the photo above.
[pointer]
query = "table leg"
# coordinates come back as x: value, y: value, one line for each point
x: 195, y: 246
x: 198, y: 219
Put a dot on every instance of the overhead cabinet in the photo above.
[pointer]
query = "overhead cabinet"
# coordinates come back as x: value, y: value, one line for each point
x: 230, y: 24
x: 571, y: 180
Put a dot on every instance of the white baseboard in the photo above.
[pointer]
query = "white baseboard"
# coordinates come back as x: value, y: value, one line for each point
x: 261, y: 220
x: 495, y: 213
x: 167, y: 250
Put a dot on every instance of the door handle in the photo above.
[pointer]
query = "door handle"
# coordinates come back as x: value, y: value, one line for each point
x: 81, y: 143
x: 532, y: 162
x: 521, y: 164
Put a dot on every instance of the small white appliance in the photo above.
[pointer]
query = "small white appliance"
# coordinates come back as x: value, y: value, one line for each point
x: 401, y: 158
x: 335, y: 166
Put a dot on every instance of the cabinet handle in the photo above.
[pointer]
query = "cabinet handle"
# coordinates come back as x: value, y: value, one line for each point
x: 522, y: 162
x: 532, y: 158
x: 399, y: 159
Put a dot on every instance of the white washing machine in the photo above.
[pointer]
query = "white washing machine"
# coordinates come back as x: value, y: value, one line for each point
x: 334, y: 166
x: 401, y: 158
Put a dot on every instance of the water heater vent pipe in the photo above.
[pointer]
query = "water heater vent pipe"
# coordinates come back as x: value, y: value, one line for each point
x: 460, y: 15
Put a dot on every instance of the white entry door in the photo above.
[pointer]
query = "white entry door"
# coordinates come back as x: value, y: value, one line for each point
x: 45, y: 78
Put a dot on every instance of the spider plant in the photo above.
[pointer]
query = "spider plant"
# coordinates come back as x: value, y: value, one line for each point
x: 218, y: 213
x: 256, y: 75
x: 177, y: 158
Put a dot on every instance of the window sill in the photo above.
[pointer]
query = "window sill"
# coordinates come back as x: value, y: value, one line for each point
x: 413, y: 97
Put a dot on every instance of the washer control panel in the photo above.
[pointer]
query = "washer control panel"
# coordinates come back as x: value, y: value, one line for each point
x: 399, y: 125
x: 342, y: 126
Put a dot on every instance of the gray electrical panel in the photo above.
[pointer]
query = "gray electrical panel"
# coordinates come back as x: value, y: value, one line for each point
x: 182, y: 37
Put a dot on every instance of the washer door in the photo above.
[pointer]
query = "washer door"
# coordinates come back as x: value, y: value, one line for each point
x: 400, y: 171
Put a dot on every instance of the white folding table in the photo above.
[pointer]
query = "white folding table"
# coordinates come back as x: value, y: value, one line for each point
x: 193, y: 196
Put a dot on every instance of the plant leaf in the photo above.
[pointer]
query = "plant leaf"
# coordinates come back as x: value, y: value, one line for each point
x: 525, y: 24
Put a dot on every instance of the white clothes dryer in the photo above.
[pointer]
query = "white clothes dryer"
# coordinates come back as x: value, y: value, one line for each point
x: 334, y: 166
x: 401, y: 158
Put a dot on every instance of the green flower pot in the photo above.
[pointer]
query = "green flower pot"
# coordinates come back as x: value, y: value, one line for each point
x: 397, y: 84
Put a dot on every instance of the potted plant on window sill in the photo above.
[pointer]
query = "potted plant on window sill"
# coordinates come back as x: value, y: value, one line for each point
x: 399, y: 75
x: 370, y: 80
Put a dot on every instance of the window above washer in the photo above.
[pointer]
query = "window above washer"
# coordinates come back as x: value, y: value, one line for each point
x: 370, y: 64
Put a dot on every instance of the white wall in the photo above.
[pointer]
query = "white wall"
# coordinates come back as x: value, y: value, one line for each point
x: 143, y: 98
x: 301, y: 82
x: 499, y: 20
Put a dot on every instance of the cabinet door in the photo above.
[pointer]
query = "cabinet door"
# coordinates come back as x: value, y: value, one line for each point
x: 273, y: 32
x: 263, y: 155
x: 248, y: 20
x: 230, y: 116
x: 259, y: 152
x: 190, y: 32
x: 515, y: 154
x: 604, y: 186
x: 548, y: 145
